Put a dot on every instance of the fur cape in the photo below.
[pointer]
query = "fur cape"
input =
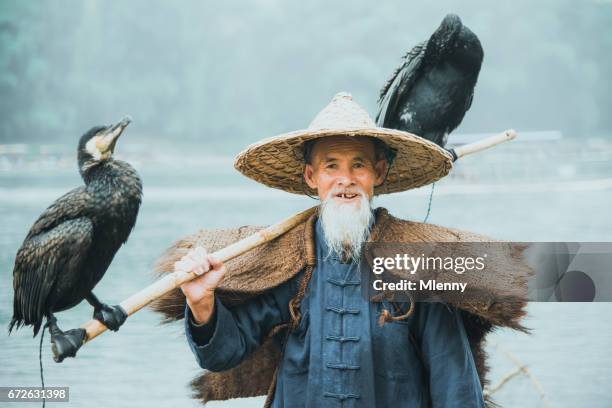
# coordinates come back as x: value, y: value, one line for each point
x: 501, y: 292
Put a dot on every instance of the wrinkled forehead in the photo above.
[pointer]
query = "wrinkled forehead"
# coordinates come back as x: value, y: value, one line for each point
x: 343, y: 147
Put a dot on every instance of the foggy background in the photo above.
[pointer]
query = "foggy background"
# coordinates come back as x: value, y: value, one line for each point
x: 229, y: 73
x: 204, y: 79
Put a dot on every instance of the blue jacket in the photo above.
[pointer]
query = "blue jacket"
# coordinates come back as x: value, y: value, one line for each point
x: 339, y: 356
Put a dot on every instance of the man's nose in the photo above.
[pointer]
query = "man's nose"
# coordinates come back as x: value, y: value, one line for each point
x: 345, y: 180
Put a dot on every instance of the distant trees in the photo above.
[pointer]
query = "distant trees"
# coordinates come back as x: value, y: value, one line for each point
x: 228, y: 73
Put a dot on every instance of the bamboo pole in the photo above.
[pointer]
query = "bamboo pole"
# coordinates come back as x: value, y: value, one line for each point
x: 483, y: 144
x: 171, y: 281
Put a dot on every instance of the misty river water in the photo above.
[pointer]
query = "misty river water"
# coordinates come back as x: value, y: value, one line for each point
x: 554, y: 191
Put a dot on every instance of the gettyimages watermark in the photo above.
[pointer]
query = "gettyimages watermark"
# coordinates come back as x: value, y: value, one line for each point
x: 488, y: 271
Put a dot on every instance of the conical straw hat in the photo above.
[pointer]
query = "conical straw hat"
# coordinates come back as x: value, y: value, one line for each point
x: 278, y: 161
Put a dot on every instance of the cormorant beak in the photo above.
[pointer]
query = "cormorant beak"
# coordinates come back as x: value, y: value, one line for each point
x: 106, y: 142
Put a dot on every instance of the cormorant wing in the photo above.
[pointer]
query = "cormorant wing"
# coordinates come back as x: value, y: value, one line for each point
x: 73, y: 204
x: 40, y: 262
x: 400, y: 83
x: 58, y: 240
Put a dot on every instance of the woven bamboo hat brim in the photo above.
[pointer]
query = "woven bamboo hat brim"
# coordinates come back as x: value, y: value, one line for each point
x: 278, y: 161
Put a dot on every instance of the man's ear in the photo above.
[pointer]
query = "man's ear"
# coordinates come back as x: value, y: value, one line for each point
x: 309, y: 176
x: 380, y: 168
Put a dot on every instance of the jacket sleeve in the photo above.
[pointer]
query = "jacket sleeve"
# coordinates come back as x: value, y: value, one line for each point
x: 453, y: 378
x: 232, y: 334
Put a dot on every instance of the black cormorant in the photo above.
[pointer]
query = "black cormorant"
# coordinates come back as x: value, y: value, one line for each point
x: 73, y: 242
x: 433, y: 87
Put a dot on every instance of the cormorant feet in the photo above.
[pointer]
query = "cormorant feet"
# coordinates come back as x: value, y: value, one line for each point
x: 66, y: 344
x: 110, y: 316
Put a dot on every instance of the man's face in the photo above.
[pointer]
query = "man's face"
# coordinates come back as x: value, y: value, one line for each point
x: 346, y: 166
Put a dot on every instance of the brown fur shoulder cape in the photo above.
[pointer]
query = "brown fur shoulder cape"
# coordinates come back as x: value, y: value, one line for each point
x: 275, y: 262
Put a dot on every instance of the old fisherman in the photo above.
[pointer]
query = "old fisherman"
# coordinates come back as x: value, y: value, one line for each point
x: 288, y: 320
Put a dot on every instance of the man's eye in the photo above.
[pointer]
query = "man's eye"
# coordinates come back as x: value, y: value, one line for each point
x: 358, y: 165
x: 331, y: 166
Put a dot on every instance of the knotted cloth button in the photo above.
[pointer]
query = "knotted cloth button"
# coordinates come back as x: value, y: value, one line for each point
x: 342, y: 311
x: 342, y: 283
x: 342, y: 366
x: 341, y: 397
x: 343, y: 339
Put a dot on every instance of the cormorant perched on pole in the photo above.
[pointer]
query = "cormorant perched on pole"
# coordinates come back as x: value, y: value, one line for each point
x: 433, y: 87
x: 73, y: 242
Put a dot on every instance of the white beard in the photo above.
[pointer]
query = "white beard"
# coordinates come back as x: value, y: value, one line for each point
x: 346, y: 226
